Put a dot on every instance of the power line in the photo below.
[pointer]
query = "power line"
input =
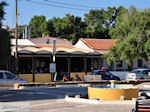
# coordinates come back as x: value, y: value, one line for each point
x: 65, y: 7
x: 86, y: 6
x: 35, y: 2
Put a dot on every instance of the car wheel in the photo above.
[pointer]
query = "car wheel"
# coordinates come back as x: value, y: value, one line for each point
x: 141, y: 78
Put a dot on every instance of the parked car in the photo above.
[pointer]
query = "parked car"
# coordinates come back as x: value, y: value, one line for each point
x: 141, y: 73
x: 7, y: 78
x: 106, y: 75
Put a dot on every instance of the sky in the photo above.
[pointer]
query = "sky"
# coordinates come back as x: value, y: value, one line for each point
x: 28, y: 8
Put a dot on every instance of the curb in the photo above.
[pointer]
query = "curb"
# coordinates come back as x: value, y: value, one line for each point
x: 147, y: 86
x: 33, y: 87
x: 88, y: 101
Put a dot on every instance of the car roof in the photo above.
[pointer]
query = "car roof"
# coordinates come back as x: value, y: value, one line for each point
x: 4, y: 71
x: 141, y: 69
x: 99, y: 70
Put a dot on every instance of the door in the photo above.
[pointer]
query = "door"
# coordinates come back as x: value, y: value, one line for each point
x: 10, y: 78
x: 145, y: 74
x: 2, y: 80
x: 107, y: 76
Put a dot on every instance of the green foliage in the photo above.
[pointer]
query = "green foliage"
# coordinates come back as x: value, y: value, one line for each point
x: 132, y: 35
x: 4, y: 47
x: 4, y: 40
x: 2, y: 4
x: 20, y: 29
x: 69, y: 27
x: 100, y: 21
x: 38, y: 26
x: 96, y: 24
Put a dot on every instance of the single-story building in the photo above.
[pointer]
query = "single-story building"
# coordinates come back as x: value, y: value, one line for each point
x: 36, y: 54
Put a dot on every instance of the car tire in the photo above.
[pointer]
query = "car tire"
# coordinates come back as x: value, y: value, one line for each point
x: 141, y: 78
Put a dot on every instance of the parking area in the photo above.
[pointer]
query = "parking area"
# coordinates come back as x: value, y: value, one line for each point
x: 52, y: 100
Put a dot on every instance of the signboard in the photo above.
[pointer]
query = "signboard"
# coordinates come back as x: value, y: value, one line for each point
x: 52, y: 67
x: 92, y: 78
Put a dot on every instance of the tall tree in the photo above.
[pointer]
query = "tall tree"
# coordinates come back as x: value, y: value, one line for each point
x: 50, y: 27
x: 69, y: 27
x: 132, y: 33
x: 38, y: 26
x: 4, y: 40
x: 100, y: 21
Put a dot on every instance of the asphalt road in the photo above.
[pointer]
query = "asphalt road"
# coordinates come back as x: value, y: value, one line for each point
x: 52, y: 100
x: 40, y: 94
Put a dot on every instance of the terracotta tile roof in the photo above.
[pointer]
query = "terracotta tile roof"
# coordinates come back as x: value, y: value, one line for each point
x: 99, y: 44
x: 49, y: 41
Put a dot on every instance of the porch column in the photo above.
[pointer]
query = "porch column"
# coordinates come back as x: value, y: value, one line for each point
x: 33, y: 67
x: 99, y: 61
x: 69, y: 65
x: 85, y: 66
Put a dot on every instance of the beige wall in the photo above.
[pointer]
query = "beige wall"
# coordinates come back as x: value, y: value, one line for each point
x: 45, y: 77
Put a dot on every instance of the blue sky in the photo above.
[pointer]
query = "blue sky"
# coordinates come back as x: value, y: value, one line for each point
x: 27, y: 9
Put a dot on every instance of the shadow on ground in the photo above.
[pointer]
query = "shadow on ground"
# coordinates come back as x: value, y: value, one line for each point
x: 40, y: 94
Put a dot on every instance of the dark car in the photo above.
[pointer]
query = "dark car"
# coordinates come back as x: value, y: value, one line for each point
x: 106, y: 75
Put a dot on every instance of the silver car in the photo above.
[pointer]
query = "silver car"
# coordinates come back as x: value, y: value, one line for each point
x: 8, y: 78
x: 141, y: 73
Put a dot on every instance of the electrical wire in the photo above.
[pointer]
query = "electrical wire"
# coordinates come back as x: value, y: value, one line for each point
x: 86, y: 6
x: 35, y: 2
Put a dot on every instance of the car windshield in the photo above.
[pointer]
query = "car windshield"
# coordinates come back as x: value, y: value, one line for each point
x: 97, y: 72
x: 108, y: 73
x: 1, y: 75
x: 100, y: 73
x: 146, y: 71
x: 9, y: 76
x: 135, y: 71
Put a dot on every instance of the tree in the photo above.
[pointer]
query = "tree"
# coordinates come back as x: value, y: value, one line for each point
x: 69, y: 27
x: 5, y: 51
x: 38, y: 26
x: 50, y: 27
x: 132, y: 33
x: 100, y: 21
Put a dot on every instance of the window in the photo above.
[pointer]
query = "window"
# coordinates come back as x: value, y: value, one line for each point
x: 140, y: 63
x: 108, y: 73
x: 135, y: 71
x: 119, y: 64
x: 9, y: 76
x: 145, y: 72
x: 1, y: 75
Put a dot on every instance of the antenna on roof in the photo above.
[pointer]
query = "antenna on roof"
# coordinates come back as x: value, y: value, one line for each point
x: 47, y: 41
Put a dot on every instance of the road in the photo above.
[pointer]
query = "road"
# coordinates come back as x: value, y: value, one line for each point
x: 52, y: 100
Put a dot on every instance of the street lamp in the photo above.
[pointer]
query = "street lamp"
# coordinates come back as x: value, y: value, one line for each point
x: 16, y: 38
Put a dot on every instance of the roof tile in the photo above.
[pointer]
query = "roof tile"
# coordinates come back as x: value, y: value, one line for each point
x: 99, y: 44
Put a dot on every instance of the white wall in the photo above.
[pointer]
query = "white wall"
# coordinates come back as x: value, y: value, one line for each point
x: 81, y: 45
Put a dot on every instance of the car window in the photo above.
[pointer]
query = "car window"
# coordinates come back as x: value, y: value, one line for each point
x: 9, y: 76
x: 108, y: 73
x: 135, y: 71
x: 1, y: 75
x: 95, y: 73
x: 145, y: 71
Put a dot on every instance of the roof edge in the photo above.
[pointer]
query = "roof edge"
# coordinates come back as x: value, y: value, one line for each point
x: 86, y: 43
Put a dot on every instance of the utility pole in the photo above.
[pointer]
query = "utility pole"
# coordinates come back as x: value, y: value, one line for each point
x: 16, y: 37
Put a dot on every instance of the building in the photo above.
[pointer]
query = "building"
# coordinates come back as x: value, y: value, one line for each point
x: 35, y: 56
x: 102, y: 46
x: 27, y: 32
